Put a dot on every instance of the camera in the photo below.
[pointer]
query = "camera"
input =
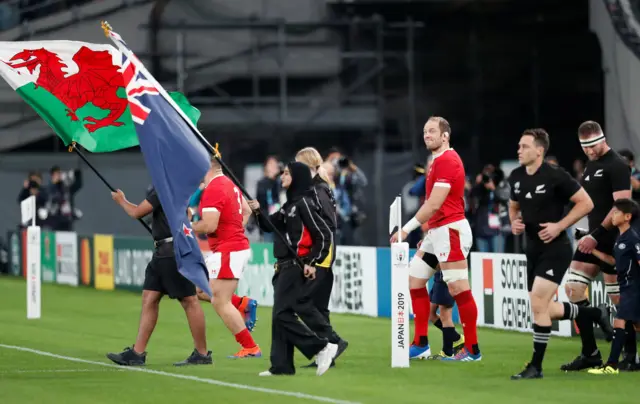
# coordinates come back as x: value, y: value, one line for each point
x: 486, y: 178
x: 344, y: 162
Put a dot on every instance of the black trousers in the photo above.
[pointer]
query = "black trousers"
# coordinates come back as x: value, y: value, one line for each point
x: 287, y: 331
x: 313, y: 305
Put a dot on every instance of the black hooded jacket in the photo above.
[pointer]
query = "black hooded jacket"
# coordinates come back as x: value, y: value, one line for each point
x: 300, y: 222
x: 326, y: 202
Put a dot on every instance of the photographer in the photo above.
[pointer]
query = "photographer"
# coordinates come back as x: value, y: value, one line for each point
x: 490, y: 196
x: 60, y: 206
x: 349, y: 184
x: 33, y: 186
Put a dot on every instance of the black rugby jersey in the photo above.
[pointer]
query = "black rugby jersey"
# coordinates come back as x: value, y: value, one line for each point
x: 542, y: 196
x: 601, y: 178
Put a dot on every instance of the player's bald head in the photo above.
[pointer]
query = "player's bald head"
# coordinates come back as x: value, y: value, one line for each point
x: 443, y: 124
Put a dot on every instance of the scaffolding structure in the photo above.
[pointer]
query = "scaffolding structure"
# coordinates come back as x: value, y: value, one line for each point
x: 359, y: 111
x: 360, y: 42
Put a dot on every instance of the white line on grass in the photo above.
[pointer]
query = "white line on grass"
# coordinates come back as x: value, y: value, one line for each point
x: 184, y: 377
x: 9, y: 372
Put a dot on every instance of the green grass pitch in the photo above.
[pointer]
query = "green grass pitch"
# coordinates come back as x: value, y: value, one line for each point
x: 84, y: 324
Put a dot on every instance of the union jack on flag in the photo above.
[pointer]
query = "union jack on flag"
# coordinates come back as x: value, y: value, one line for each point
x: 136, y: 85
x: 174, y: 156
x: 135, y: 82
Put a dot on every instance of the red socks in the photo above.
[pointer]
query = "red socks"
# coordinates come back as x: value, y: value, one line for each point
x: 468, y: 317
x: 245, y: 339
x: 236, y: 300
x: 420, y: 304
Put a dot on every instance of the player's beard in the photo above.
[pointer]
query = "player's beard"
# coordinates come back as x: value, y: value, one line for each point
x: 440, y: 145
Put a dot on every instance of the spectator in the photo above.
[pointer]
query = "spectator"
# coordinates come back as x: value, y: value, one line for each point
x: 350, y: 182
x: 269, y: 189
x: 333, y: 156
x: 490, y: 195
x: 33, y: 186
x: 60, y: 206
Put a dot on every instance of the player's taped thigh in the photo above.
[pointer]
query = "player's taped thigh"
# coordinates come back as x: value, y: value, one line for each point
x: 452, y: 275
x: 423, y: 267
x: 612, y: 289
x: 578, y: 277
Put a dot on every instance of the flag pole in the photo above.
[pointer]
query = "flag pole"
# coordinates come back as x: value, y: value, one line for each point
x: 108, y: 31
x: 74, y: 147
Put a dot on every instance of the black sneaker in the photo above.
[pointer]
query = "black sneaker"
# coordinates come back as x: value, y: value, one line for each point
x: 583, y: 362
x: 315, y: 365
x: 629, y: 364
x: 529, y: 372
x: 128, y: 357
x: 342, y: 346
x: 605, y: 322
x: 196, y: 358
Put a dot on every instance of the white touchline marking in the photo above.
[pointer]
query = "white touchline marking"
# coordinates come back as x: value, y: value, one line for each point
x: 184, y: 377
x: 9, y: 372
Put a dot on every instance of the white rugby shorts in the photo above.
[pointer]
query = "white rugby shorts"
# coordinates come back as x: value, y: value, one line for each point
x: 227, y: 265
x: 449, y: 243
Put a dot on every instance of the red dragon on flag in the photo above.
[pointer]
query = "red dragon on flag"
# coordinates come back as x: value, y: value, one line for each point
x: 96, y: 82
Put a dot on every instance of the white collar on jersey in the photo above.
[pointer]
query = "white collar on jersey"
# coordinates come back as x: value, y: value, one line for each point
x: 441, y: 153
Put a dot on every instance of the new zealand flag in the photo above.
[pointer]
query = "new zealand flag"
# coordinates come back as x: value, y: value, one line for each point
x: 174, y: 156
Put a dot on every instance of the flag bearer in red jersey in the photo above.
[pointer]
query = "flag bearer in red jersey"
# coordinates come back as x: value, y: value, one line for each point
x: 447, y: 242
x: 223, y: 213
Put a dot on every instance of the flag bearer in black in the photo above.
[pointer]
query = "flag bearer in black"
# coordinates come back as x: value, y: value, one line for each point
x: 627, y: 257
x: 298, y: 221
x: 162, y: 278
x: 606, y: 178
x: 539, y: 194
x: 318, y: 291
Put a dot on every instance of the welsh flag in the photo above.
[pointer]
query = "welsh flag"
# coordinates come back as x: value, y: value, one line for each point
x: 80, y: 90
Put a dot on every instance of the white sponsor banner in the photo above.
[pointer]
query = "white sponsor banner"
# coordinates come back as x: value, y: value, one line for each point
x: 499, y: 287
x: 67, y: 258
x: 355, y: 287
x: 355, y: 281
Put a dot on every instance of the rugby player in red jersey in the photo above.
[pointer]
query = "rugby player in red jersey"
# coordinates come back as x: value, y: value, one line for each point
x: 223, y: 213
x: 447, y: 243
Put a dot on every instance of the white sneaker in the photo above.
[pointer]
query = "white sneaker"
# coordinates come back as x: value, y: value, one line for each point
x: 325, y: 357
x: 265, y: 373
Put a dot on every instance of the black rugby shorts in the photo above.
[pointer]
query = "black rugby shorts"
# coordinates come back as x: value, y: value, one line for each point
x: 548, y: 261
x: 162, y: 275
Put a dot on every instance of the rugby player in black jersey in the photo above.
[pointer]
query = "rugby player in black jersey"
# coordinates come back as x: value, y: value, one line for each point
x: 539, y: 194
x: 606, y: 178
